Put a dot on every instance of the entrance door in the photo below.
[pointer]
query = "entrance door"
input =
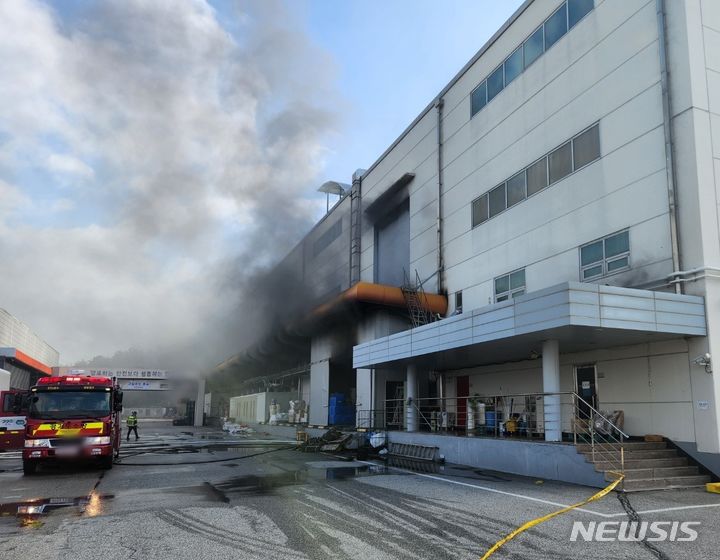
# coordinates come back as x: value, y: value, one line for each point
x: 586, y: 387
x: 463, y: 391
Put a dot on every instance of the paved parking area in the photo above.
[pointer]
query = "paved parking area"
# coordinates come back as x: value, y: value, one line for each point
x: 200, y: 498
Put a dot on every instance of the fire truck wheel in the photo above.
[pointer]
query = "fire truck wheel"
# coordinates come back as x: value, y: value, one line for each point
x: 29, y: 467
x: 106, y: 462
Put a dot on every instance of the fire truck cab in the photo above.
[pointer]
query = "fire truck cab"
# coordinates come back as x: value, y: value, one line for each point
x: 72, y: 418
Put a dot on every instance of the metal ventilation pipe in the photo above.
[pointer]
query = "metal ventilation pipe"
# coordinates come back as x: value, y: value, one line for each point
x: 439, y: 103
x: 669, y: 144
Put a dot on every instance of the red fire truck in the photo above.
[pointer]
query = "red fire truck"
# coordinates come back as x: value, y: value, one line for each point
x: 72, y: 418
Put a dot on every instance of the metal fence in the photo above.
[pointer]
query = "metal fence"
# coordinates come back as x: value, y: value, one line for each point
x: 561, y: 416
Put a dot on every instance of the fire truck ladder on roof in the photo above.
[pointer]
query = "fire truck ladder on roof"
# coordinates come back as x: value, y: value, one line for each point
x: 416, y: 301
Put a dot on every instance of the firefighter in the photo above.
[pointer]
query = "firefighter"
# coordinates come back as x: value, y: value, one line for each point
x: 132, y: 425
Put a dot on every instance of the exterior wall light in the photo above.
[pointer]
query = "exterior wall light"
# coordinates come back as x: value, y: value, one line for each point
x: 704, y: 360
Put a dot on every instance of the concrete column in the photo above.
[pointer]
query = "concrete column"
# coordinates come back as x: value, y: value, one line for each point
x: 319, y: 392
x: 411, y: 390
x: 364, y: 405
x: 199, y: 404
x: 551, y: 384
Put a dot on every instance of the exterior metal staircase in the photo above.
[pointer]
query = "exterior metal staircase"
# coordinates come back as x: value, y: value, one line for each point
x: 416, y: 301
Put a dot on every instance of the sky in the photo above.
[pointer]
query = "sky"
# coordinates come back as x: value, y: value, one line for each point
x: 156, y: 154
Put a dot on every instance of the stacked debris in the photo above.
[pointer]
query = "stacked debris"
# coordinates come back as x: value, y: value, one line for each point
x: 359, y: 444
x: 313, y: 445
x: 237, y: 429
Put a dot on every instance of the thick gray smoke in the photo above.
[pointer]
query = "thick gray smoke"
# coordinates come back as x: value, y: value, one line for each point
x: 155, y: 156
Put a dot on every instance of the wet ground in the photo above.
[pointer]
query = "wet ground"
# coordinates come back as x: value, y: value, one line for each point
x: 201, y: 495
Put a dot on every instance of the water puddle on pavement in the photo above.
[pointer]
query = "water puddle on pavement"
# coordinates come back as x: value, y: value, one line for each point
x: 30, y: 513
x: 311, y: 473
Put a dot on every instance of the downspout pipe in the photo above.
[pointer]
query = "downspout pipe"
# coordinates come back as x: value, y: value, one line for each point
x: 439, y: 103
x: 669, y: 144
x: 355, y: 226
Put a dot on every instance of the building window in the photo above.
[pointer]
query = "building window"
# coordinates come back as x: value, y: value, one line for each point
x: 537, y: 176
x: 555, y: 26
x: 480, y: 210
x: 586, y: 147
x: 510, y: 285
x: 458, y: 302
x: 579, y: 151
x: 479, y: 97
x: 497, y: 200
x: 516, y: 189
x: 495, y: 83
x: 549, y: 33
x: 605, y: 256
x: 533, y: 47
x: 560, y: 163
x: 578, y: 9
x: 513, y: 65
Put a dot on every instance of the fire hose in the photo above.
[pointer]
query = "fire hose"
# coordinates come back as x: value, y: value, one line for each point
x: 530, y: 524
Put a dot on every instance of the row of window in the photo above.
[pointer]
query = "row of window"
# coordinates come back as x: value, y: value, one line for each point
x: 599, y: 258
x: 563, y: 19
x: 558, y: 164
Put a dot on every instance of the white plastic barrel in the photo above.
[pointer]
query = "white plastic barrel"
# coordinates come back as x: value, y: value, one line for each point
x: 480, y: 414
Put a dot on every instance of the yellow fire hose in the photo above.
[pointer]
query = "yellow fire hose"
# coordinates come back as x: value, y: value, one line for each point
x: 544, y: 518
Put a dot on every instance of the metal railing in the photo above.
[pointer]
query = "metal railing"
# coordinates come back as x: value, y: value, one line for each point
x: 373, y: 419
x: 601, y: 436
x: 561, y: 416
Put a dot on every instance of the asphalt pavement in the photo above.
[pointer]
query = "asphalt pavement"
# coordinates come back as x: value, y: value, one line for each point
x: 182, y: 493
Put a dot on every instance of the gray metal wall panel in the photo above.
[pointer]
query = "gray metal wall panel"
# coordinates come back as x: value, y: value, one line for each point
x: 392, y: 250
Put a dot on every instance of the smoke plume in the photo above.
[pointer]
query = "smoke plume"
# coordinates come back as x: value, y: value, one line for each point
x: 155, y: 157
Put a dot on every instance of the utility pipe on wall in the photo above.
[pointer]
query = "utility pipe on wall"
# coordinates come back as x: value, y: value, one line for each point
x: 440, y: 262
x: 669, y: 147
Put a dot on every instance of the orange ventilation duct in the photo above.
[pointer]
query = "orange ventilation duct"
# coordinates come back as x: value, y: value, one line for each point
x: 380, y: 294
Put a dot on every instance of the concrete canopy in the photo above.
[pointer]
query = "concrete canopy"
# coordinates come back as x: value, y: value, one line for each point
x: 580, y: 316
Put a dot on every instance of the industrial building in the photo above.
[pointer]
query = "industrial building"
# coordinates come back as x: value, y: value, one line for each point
x: 543, y: 238
x: 23, y: 353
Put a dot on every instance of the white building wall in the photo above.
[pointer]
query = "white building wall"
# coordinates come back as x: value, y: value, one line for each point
x: 415, y: 153
x: 16, y: 334
x: 605, y: 69
x: 651, y: 383
x: 693, y: 43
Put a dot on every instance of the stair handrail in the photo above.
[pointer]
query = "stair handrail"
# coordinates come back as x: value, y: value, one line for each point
x: 604, y: 445
x: 598, y: 413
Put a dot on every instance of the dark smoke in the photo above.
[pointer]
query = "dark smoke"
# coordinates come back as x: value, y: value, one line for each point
x: 199, y: 152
